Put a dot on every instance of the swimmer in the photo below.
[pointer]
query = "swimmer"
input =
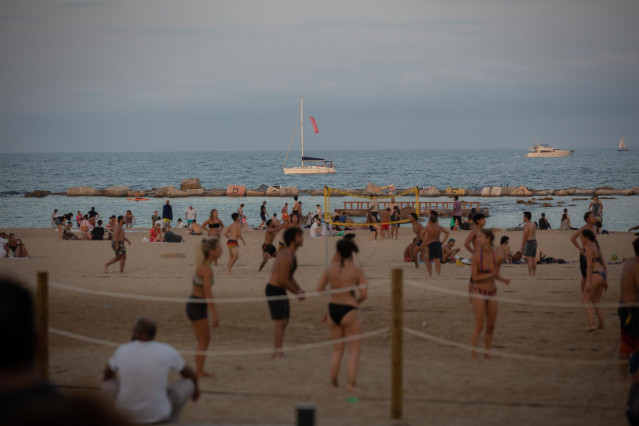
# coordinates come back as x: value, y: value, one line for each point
x: 629, y: 315
x: 596, y: 279
x: 129, y: 219
x: 268, y: 249
x: 449, y: 251
x: 529, y: 244
x: 485, y: 264
x: 214, y: 223
x: 281, y: 281
x: 344, y: 319
x: 418, y: 229
x: 233, y: 233
x: 590, y: 220
x: 430, y: 236
x: 201, y: 288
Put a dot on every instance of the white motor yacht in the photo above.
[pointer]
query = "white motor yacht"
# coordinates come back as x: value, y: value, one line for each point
x: 544, y: 150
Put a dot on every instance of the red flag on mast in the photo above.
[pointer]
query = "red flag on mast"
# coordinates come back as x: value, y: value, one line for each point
x: 315, y: 129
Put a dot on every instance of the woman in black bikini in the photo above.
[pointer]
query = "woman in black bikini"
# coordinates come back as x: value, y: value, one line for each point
x: 215, y: 224
x: 370, y: 219
x: 485, y: 264
x: 201, y: 288
x: 596, y: 279
x: 343, y: 315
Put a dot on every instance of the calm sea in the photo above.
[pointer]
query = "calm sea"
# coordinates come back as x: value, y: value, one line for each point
x: 587, y: 168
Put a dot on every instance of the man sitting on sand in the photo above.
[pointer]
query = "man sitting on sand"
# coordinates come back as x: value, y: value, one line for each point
x: 504, y: 249
x: 195, y: 228
x: 449, y: 252
x: 143, y: 366
x: 97, y: 233
x: 408, y: 251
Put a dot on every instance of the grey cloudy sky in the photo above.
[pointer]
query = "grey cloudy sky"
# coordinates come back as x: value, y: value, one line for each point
x: 156, y: 75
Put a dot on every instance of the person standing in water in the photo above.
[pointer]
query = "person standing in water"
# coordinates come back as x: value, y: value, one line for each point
x: 344, y: 319
x: 281, y: 281
x: 201, y: 288
x: 233, y: 233
x: 529, y: 244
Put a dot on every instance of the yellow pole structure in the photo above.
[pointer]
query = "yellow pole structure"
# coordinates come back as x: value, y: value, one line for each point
x: 396, y: 348
x: 42, y: 325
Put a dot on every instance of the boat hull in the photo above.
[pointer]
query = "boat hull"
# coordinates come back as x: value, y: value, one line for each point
x: 622, y: 149
x: 558, y: 153
x: 309, y: 170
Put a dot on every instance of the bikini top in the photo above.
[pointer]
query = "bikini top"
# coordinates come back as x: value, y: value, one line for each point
x: 481, y: 262
x: 198, y: 281
x: 214, y: 225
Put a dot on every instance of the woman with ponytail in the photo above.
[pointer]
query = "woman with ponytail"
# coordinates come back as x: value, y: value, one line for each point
x: 209, y: 250
x: 596, y: 279
x: 343, y: 314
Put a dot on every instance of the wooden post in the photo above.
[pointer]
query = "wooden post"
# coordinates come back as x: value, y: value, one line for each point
x: 305, y: 414
x: 42, y: 325
x: 396, y: 346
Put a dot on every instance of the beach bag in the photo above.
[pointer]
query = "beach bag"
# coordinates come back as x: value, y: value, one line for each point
x: 452, y: 222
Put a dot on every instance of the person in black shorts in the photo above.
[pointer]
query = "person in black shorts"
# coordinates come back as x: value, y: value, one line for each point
x: 591, y: 221
x: 268, y: 249
x: 280, y: 281
x: 263, y: 214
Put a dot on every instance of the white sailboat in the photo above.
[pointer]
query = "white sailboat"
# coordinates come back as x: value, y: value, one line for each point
x: 324, y: 167
x: 622, y: 145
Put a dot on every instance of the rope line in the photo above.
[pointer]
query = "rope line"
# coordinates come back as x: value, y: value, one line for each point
x: 213, y: 300
x: 493, y: 352
x: 461, y: 293
x: 260, y: 351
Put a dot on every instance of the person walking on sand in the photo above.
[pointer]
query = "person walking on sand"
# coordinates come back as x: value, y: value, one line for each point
x: 344, y: 320
x: 457, y: 213
x: 233, y: 234
x: 118, y: 246
x: 202, y: 288
x: 482, y: 288
x: 263, y: 214
x: 420, y: 247
x: 529, y: 244
x: 281, y: 281
x: 596, y: 207
x: 628, y: 310
x: 268, y: 249
x: 430, y: 236
x: 395, y: 217
x: 479, y: 220
x: 240, y: 211
x: 590, y: 220
x: 167, y: 215
x: 190, y: 216
x: 214, y: 224
x: 596, y: 279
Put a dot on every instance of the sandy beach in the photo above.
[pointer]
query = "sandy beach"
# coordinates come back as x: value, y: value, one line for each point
x: 441, y: 383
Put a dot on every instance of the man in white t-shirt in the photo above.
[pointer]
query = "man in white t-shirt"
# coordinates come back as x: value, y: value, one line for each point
x: 143, y: 367
x: 190, y: 216
x: 4, y: 249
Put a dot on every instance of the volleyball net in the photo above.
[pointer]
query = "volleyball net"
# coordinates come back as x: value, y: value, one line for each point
x: 383, y: 200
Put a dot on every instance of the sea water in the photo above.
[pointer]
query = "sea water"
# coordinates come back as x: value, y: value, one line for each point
x: 587, y: 168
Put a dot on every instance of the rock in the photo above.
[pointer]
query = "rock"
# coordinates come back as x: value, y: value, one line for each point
x: 255, y: 193
x: 176, y: 193
x: 529, y: 202
x: 161, y: 192
x: 520, y: 202
x: 235, y: 191
x: 495, y: 191
x: 192, y: 183
x: 133, y: 194
x: 371, y: 189
x: 317, y: 193
x: 38, y: 193
x: 629, y: 191
x: 581, y: 191
x: 561, y: 193
x: 507, y: 191
x: 547, y: 199
x: 273, y: 191
x: 635, y: 190
x: 195, y: 192
x: 579, y: 199
x: 547, y: 205
x: 117, y: 191
x: 288, y: 191
x: 605, y: 188
x: 541, y: 192
x: 82, y: 191
x: 522, y: 191
x: 352, y: 191
x: 485, y: 191
x: 262, y: 188
x: 215, y: 192
x: 431, y: 191
x: 475, y: 192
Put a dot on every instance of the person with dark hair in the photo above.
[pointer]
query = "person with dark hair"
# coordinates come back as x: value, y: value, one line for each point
x: 347, y: 237
x: 371, y: 227
x: 395, y: 217
x: 596, y: 279
x: 343, y: 316
x: 590, y: 220
x: 482, y: 288
x: 118, y: 246
x: 263, y: 214
x: 143, y: 366
x: 167, y: 215
x: 240, y: 212
x: 233, y: 234
x: 628, y: 310
x: 281, y: 281
x: 479, y: 219
x: 543, y: 223
x: 93, y: 216
x: 504, y: 249
x: 596, y: 207
x: 529, y: 244
x: 449, y: 252
x: 430, y: 236
x: 268, y: 249
x: 420, y: 247
x: 565, y: 221
x: 97, y: 234
x: 457, y: 212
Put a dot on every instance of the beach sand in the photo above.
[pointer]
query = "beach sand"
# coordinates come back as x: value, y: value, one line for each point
x: 441, y: 383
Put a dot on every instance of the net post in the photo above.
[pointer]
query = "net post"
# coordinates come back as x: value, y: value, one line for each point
x: 305, y: 414
x: 396, y: 346
x: 42, y: 325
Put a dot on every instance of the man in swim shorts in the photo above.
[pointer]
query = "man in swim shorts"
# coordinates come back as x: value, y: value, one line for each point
x: 167, y: 215
x: 118, y: 245
x: 233, y: 233
x: 629, y: 315
x: 280, y: 282
x: 590, y: 220
x: 190, y: 216
x: 268, y: 249
x: 418, y: 229
x: 263, y: 214
x: 430, y: 236
x: 529, y: 244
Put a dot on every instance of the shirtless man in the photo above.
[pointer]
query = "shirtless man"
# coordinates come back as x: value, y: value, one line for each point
x: 233, y: 233
x: 118, y: 245
x: 629, y: 315
x: 529, y: 244
x: 418, y: 229
x: 449, y: 252
x: 408, y: 251
x: 385, y: 228
x: 430, y: 236
x: 268, y: 249
x: 297, y: 207
x: 282, y: 280
x: 195, y: 228
x: 479, y: 220
x: 591, y: 221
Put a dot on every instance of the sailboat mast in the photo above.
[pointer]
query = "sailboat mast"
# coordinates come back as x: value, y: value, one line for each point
x: 302, y: 126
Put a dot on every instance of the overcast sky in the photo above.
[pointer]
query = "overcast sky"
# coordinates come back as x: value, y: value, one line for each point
x: 155, y: 75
